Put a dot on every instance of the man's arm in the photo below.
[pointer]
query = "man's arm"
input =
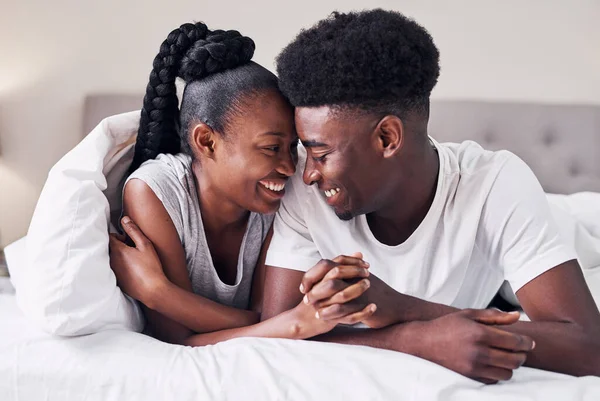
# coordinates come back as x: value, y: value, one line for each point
x: 466, y: 341
x: 565, y: 319
x: 392, y: 307
x: 518, y: 234
x: 565, y: 322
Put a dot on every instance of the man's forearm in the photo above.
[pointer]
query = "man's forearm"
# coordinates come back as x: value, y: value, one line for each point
x: 561, y: 347
x: 554, y: 340
x: 399, y: 337
x: 410, y: 309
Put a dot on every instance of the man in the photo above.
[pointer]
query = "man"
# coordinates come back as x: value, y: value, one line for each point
x: 441, y: 225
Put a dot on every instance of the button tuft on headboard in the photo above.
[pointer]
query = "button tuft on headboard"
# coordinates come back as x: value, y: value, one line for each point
x: 489, y: 137
x: 549, y: 138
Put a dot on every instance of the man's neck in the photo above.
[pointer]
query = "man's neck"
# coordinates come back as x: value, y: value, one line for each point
x: 394, y: 223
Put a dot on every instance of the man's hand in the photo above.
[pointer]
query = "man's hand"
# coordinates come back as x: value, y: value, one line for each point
x: 138, y: 269
x: 325, y: 284
x: 468, y: 343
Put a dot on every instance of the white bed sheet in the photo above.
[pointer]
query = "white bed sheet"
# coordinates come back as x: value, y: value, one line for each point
x: 120, y: 365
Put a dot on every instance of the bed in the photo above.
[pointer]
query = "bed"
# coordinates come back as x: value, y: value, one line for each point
x: 561, y: 144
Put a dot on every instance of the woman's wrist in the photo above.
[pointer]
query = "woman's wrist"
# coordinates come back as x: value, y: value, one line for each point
x: 301, y: 322
x: 153, y: 291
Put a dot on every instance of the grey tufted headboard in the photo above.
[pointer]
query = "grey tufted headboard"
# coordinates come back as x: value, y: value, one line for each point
x: 561, y: 143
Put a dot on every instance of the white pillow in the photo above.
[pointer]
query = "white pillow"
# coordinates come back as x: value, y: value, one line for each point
x: 16, y: 254
x: 66, y: 286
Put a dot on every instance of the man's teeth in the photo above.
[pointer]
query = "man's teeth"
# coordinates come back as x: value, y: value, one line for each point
x: 330, y: 193
x: 273, y: 186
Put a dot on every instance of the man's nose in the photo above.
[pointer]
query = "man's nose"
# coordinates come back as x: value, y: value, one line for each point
x: 311, y: 175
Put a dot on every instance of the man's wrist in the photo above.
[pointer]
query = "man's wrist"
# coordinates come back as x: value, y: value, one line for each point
x: 409, y: 338
x: 398, y: 309
x: 391, y: 314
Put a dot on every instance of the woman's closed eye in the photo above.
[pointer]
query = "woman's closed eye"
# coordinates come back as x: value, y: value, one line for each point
x: 272, y: 148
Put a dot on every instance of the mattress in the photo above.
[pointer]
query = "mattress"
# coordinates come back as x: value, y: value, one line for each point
x: 121, y: 365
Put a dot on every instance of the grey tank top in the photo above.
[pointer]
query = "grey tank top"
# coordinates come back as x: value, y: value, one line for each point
x: 172, y: 180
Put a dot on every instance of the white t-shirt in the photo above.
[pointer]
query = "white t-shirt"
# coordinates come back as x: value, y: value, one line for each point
x: 489, y: 222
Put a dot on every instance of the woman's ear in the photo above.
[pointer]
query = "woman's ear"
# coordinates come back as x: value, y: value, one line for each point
x: 390, y: 131
x: 203, y: 140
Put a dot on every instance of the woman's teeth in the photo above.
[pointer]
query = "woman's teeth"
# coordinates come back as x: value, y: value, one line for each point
x: 330, y: 193
x: 272, y: 186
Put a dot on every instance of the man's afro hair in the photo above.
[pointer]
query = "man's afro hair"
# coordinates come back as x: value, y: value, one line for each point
x: 373, y: 60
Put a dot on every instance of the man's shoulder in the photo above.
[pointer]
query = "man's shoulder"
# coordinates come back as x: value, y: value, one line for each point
x: 470, y: 159
x: 473, y: 174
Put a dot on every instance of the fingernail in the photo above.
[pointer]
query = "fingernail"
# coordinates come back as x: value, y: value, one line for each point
x: 373, y: 308
x: 302, y: 288
x: 317, y: 315
x: 126, y: 220
x: 367, y: 283
x: 366, y: 264
x: 305, y: 299
x: 514, y: 313
x: 532, y: 344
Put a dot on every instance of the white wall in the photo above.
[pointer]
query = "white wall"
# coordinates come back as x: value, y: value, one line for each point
x: 54, y: 53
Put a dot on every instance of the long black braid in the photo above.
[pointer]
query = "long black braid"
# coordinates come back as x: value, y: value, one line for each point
x: 216, y: 67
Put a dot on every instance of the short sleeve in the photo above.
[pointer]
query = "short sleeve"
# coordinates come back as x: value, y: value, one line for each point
x: 163, y: 179
x: 518, y: 230
x: 292, y: 246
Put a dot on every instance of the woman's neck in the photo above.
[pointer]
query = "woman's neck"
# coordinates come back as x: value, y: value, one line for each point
x: 218, y: 213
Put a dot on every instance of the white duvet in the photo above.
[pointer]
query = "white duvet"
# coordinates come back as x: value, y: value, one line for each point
x: 122, y: 365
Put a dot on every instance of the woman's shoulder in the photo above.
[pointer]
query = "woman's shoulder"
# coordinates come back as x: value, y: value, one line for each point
x: 167, y: 178
x: 164, y: 170
x: 167, y: 164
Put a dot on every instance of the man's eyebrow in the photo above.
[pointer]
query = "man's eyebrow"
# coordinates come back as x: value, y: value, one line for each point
x: 312, y: 143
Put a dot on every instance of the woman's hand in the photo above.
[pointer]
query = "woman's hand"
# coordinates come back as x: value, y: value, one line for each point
x: 138, y: 269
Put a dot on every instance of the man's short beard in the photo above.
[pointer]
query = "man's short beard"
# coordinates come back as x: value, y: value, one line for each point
x: 345, y: 215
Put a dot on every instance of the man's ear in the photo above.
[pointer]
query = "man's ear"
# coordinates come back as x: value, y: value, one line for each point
x: 390, y: 135
x: 203, y: 140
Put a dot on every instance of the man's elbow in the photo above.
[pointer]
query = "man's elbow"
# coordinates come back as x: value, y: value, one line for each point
x: 267, y: 313
x: 272, y: 307
x: 589, y: 349
x: 594, y: 341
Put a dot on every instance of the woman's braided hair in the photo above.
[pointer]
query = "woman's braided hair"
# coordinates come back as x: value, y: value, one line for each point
x: 191, y: 52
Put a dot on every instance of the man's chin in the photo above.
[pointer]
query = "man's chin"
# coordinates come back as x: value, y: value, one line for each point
x: 344, y: 215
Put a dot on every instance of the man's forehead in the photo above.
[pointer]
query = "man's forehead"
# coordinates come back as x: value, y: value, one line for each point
x: 330, y: 126
x: 313, y: 115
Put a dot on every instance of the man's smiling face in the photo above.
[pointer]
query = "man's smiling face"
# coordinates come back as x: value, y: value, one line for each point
x: 343, y: 159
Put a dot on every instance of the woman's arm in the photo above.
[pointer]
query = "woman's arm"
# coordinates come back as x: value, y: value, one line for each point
x: 198, y: 314
x: 140, y: 275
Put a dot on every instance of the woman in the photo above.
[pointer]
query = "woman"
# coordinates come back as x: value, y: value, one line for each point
x: 205, y: 198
